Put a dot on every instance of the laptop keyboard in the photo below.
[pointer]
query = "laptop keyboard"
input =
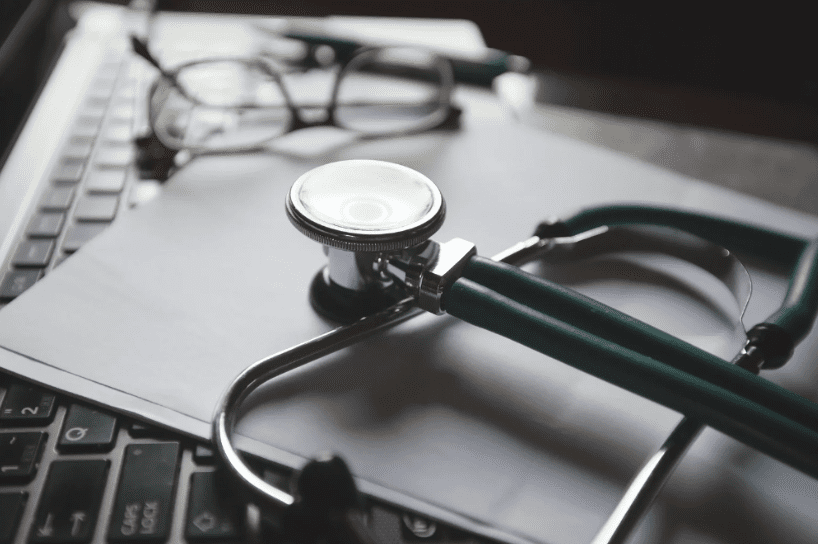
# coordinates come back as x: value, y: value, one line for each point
x: 92, y: 179
x: 71, y: 472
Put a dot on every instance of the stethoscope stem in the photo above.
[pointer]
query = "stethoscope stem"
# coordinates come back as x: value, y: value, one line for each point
x: 302, y: 354
x: 280, y: 363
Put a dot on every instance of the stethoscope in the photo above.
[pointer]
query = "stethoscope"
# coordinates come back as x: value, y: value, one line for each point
x: 375, y: 221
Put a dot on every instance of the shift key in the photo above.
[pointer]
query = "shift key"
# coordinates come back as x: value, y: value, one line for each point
x: 144, y: 498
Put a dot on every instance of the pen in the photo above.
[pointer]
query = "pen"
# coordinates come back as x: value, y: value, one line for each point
x: 476, y: 69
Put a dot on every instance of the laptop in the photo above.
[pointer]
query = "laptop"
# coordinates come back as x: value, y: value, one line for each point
x: 74, y: 471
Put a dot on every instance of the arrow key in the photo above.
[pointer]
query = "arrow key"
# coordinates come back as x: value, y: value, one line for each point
x: 70, y: 521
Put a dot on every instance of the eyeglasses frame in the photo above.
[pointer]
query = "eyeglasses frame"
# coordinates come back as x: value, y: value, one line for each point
x: 447, y: 115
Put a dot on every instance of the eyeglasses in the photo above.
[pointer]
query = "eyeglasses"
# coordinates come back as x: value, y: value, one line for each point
x: 240, y: 104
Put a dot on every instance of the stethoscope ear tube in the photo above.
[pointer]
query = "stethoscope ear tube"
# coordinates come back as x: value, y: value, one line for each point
x: 591, y: 316
x: 797, y: 313
x: 600, y: 340
x: 785, y: 328
x: 745, y: 420
x: 774, y: 247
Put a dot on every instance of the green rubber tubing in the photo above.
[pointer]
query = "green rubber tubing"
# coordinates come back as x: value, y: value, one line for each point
x: 577, y: 310
x: 747, y: 421
x: 797, y: 255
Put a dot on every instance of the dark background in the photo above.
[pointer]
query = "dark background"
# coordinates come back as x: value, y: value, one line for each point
x: 750, y: 70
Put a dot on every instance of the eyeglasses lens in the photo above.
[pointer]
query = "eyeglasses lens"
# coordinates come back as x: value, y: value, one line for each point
x: 219, y: 105
x: 392, y: 90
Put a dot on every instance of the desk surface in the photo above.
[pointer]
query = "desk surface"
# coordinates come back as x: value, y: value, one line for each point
x: 780, y: 171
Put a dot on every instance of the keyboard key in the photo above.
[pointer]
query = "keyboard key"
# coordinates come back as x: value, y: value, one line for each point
x: 57, y: 199
x: 11, y: 510
x: 86, y: 429
x: 211, y: 515
x: 122, y: 113
x: 141, y: 430
x: 144, y: 498
x: 19, y: 454
x: 115, y: 155
x: 17, y: 281
x: 104, y: 83
x: 108, y: 180
x: 69, y: 171
x: 59, y: 258
x: 96, y: 208
x: 204, y: 455
x: 86, y: 126
x: 67, y: 521
x: 78, y: 235
x: 416, y: 527
x: 46, y: 224
x: 27, y: 405
x: 94, y: 107
x: 118, y: 133
x: 142, y: 191
x: 78, y: 149
x: 33, y: 253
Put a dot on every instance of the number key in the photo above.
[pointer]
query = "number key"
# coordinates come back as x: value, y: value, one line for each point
x: 19, y: 454
x: 26, y: 405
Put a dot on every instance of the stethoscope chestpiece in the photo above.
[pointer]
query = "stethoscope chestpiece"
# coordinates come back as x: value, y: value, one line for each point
x: 367, y: 214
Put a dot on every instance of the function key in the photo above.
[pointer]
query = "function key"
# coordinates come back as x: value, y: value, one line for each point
x: 57, y: 199
x: 19, y: 454
x: 86, y: 429
x: 212, y: 513
x: 11, y: 510
x: 27, y: 405
x: 66, y: 521
x: 144, y: 498
x: 16, y: 281
x: 33, y: 253
x: 45, y: 225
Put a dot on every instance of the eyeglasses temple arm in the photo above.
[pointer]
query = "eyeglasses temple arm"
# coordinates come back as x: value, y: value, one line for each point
x: 141, y: 48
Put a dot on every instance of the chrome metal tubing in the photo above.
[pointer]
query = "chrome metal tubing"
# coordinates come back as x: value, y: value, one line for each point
x: 525, y: 251
x: 271, y: 367
x: 653, y: 475
x: 266, y: 369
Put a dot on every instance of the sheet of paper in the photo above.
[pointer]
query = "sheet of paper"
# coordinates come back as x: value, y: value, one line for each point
x: 156, y: 316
